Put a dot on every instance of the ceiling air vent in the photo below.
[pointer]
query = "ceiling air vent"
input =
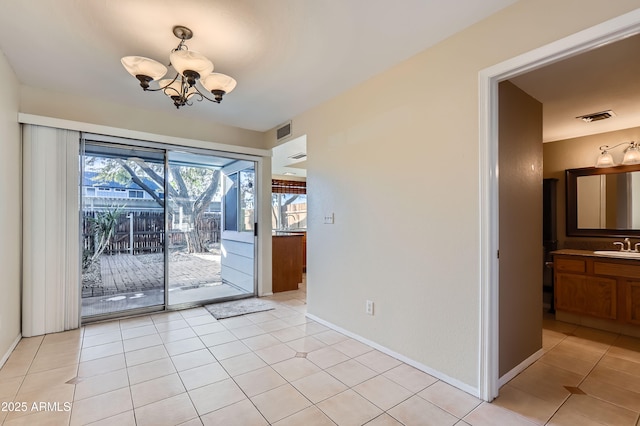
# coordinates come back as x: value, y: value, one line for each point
x: 298, y: 156
x: 597, y: 116
x: 283, y: 131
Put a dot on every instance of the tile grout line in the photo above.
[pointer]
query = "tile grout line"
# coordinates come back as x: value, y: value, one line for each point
x: 253, y: 351
x: 565, y: 400
x: 275, y: 371
x: 584, y: 378
x: 73, y: 397
x: 126, y: 366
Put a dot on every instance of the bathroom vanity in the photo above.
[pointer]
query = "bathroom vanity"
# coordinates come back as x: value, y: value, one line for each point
x: 604, y: 288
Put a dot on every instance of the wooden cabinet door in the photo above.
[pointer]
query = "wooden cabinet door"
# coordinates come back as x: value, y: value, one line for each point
x: 571, y: 292
x: 633, y: 302
x: 601, y: 297
x: 595, y: 296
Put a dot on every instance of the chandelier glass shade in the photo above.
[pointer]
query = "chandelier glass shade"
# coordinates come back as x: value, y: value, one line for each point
x: 144, y: 67
x: 194, y: 78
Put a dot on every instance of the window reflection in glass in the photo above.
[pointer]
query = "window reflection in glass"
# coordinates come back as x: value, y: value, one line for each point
x: 247, y: 200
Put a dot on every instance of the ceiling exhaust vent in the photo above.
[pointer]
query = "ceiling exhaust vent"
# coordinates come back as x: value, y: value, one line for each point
x: 298, y: 156
x: 283, y: 131
x: 597, y: 116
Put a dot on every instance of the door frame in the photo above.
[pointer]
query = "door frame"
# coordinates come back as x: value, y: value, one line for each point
x: 488, y: 79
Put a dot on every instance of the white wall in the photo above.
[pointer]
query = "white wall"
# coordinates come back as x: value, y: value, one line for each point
x: 396, y: 159
x: 10, y: 216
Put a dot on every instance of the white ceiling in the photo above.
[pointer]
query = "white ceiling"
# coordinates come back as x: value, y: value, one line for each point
x: 606, y: 78
x: 287, y: 55
x: 285, y: 159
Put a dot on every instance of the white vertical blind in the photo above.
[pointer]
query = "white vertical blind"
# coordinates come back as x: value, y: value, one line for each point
x: 51, y: 248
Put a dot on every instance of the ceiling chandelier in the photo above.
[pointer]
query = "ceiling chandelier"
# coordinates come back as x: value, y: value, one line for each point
x: 190, y: 67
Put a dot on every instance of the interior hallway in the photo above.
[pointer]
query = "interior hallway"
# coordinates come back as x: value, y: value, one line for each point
x: 278, y: 367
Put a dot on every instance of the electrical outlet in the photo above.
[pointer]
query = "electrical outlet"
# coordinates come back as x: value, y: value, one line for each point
x: 369, y: 307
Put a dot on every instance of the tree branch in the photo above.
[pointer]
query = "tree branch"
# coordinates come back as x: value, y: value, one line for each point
x: 206, y: 197
x: 153, y: 175
x: 290, y: 200
x: 139, y: 182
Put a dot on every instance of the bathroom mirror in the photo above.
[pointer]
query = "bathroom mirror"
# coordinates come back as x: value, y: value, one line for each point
x: 603, y: 202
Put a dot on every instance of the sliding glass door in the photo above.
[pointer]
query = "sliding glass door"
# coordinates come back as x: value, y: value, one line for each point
x: 197, y: 250
x: 123, y: 223
x: 164, y: 228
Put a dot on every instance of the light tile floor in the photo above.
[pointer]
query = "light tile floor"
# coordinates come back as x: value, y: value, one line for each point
x: 278, y: 367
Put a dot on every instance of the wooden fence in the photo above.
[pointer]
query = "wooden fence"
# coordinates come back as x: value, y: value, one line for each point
x: 148, y: 232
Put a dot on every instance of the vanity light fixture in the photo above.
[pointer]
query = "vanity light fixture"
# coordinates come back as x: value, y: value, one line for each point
x: 191, y: 67
x: 631, y: 155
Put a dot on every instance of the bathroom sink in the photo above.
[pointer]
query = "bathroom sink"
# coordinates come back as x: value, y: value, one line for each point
x: 616, y: 253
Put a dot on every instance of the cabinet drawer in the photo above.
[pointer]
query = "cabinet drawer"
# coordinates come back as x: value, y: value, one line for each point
x: 616, y: 269
x: 570, y: 265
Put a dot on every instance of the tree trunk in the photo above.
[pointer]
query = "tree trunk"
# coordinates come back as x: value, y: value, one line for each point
x: 177, y: 198
x: 195, y: 244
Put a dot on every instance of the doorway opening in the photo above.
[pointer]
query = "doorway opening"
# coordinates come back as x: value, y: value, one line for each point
x: 489, y: 79
x: 164, y: 228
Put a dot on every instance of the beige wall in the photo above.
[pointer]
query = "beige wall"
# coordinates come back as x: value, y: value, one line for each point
x: 90, y: 110
x: 576, y: 153
x: 396, y: 159
x: 10, y: 212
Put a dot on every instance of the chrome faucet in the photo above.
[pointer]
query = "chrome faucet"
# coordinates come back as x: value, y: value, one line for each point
x: 627, y: 243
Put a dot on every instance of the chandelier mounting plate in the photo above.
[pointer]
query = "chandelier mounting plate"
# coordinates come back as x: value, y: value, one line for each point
x: 183, y: 33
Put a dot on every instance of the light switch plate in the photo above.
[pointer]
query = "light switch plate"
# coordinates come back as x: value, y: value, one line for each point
x: 369, y: 307
x: 328, y: 219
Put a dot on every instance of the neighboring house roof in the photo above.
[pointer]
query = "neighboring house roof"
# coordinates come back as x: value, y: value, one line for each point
x: 93, y: 179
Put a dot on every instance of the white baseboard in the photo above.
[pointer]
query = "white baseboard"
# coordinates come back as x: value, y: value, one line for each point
x: 437, y: 374
x: 6, y: 356
x: 520, y: 367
